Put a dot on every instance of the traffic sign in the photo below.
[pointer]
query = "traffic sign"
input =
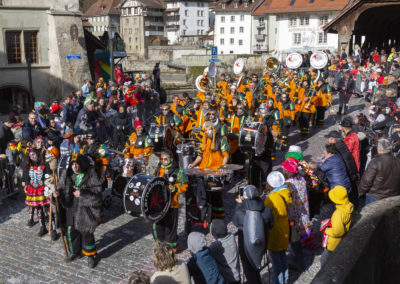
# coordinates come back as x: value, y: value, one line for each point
x: 214, y: 51
x: 74, y: 56
x: 213, y: 60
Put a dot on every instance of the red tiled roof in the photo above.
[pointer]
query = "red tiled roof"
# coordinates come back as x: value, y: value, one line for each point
x: 230, y: 6
x: 293, y: 6
x: 104, y: 7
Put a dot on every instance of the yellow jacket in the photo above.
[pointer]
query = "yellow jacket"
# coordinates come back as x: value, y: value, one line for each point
x: 279, y: 234
x: 341, y: 221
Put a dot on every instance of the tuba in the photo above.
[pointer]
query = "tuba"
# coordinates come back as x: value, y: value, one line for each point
x: 272, y: 64
x: 211, y: 71
x: 238, y: 68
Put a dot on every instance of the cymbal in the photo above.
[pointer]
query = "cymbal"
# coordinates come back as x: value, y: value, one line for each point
x: 232, y: 167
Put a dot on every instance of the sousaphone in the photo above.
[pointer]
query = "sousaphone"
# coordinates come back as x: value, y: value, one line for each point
x: 200, y: 77
x: 238, y: 68
x: 318, y: 60
x: 294, y: 60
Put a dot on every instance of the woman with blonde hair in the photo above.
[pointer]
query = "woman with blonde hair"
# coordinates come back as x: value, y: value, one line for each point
x: 169, y: 269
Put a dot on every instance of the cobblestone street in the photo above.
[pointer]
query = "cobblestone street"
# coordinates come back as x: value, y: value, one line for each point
x: 124, y: 243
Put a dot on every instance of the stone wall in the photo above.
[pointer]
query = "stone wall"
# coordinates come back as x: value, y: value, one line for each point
x: 369, y: 253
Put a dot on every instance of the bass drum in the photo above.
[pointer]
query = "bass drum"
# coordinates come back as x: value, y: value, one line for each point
x: 63, y: 164
x: 147, y: 196
x: 253, y: 137
x: 161, y: 136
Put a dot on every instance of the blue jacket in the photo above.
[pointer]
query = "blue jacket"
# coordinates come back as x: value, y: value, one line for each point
x: 335, y: 171
x: 204, y: 269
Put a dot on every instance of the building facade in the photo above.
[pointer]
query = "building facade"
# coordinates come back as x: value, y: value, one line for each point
x: 56, y: 69
x: 102, y: 15
x: 294, y: 27
x: 233, y: 27
x: 142, y: 24
x: 186, y: 18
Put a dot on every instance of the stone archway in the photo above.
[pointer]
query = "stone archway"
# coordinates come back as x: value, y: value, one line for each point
x: 13, y: 95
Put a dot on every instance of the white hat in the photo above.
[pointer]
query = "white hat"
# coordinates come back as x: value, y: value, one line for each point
x: 275, y: 179
x: 294, y: 149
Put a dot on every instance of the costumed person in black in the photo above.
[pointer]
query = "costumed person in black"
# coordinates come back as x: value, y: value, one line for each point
x: 252, y: 240
x: 156, y: 77
x: 167, y: 228
x: 346, y: 89
x: 260, y: 163
x: 80, y: 194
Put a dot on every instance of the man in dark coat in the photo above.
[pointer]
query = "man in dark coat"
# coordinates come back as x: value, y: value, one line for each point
x: 250, y: 201
x: 6, y: 134
x: 80, y: 193
x: 346, y: 89
x: 381, y: 179
x: 335, y: 138
x: 32, y: 128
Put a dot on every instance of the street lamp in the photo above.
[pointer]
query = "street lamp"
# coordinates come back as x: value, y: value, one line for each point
x: 111, y: 36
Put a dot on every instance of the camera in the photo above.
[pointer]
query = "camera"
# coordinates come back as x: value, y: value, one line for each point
x: 240, y: 191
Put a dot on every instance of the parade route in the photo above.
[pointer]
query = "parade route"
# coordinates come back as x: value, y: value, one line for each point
x: 124, y: 243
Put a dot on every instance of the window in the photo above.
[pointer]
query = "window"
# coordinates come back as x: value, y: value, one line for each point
x: 136, y: 47
x: 223, y: 5
x: 186, y: 4
x: 236, y: 5
x: 13, y: 40
x: 130, y: 11
x: 240, y: 42
x: 241, y: 29
x: 323, y: 20
x: 198, y: 12
x: 322, y: 38
x: 198, y: 22
x: 292, y: 22
x: 241, y: 18
x: 135, y: 11
x: 296, y: 39
x: 304, y: 21
x: 130, y: 39
x: 232, y: 30
x: 222, y: 31
x: 198, y: 4
x: 232, y: 41
x: 198, y: 32
x: 246, y: 4
x: 134, y: 21
x: 221, y: 41
x: 202, y: 12
x: 186, y: 13
x: 201, y: 32
x: 126, y: 21
x: 202, y: 22
x: 222, y: 19
x: 232, y: 18
x: 136, y: 39
x: 184, y: 22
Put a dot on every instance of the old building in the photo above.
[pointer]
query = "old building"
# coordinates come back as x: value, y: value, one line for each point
x: 233, y: 26
x: 186, y: 18
x: 142, y: 24
x: 49, y: 35
x: 370, y: 24
x: 102, y: 15
x: 295, y: 26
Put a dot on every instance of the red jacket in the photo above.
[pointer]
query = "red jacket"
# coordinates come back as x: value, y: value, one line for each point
x: 353, y: 143
x: 130, y: 100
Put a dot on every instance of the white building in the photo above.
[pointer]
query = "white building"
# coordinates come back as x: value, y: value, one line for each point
x: 103, y: 14
x: 186, y: 18
x: 294, y: 28
x: 233, y: 26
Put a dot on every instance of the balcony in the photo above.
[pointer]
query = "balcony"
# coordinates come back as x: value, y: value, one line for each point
x: 154, y: 33
x: 260, y: 25
x: 260, y: 48
x: 173, y: 27
x: 153, y: 24
x: 172, y: 18
x: 260, y: 37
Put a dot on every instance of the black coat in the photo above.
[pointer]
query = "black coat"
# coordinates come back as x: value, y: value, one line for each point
x: 30, y: 131
x: 123, y: 121
x: 348, y: 160
x: 349, y: 89
x: 82, y: 212
x: 6, y: 136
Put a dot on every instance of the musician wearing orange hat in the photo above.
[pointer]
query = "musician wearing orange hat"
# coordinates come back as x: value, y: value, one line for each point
x: 213, y: 154
x: 324, y: 99
x: 139, y: 144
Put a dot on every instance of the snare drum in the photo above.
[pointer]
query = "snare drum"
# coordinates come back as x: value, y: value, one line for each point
x: 161, y: 136
x: 253, y: 137
x: 147, y: 196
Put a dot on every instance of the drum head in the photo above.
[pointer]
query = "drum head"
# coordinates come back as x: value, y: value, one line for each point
x: 156, y: 199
